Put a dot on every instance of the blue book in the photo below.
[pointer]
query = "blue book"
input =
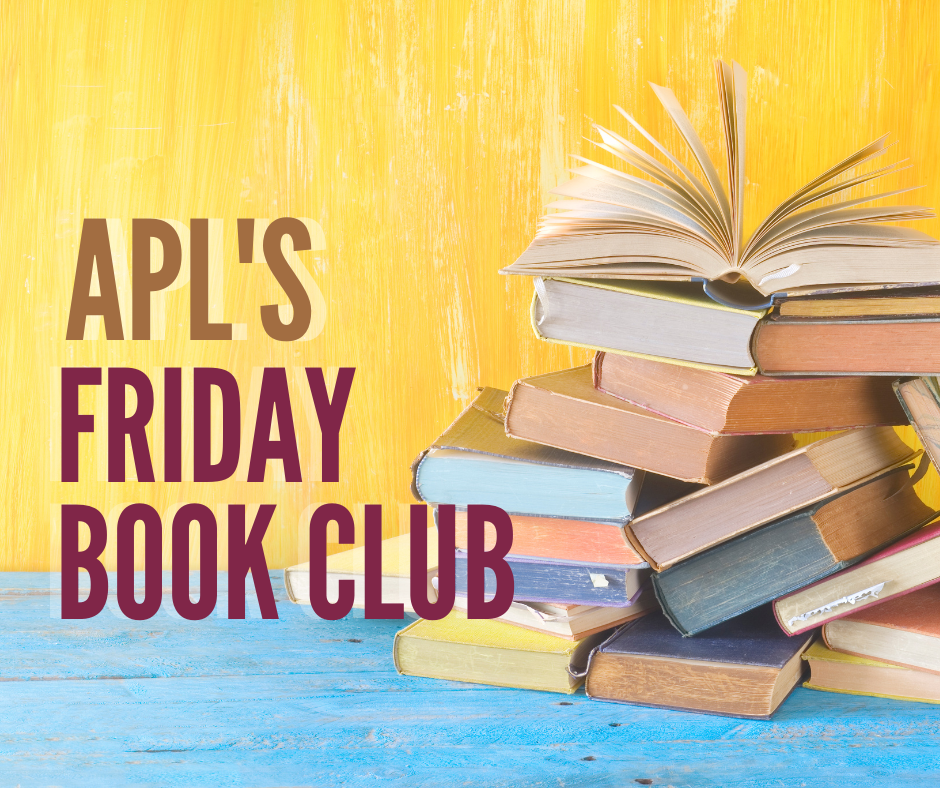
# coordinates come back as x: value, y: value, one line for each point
x: 745, y: 667
x: 563, y: 582
x: 475, y: 462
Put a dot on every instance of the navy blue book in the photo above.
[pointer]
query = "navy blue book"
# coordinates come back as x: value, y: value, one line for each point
x: 745, y: 667
x: 562, y: 582
x: 790, y: 553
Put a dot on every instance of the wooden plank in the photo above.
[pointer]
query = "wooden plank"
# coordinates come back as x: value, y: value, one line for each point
x: 289, y: 730
x: 300, y: 701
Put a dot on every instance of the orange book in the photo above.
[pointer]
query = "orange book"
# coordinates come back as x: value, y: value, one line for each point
x: 570, y: 540
x: 740, y: 405
x: 794, y: 346
x: 578, y: 541
x: 903, y: 631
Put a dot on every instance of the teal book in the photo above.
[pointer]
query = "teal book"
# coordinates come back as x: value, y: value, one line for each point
x: 475, y: 462
x: 790, y: 553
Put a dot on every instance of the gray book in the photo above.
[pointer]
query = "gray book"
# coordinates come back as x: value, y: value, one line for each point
x: 789, y: 553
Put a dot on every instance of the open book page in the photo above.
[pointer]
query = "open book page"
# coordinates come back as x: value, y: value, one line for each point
x: 672, y: 225
x: 732, y: 88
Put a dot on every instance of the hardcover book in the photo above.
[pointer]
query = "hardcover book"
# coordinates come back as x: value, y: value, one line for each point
x: 475, y: 462
x: 555, y: 582
x: 920, y: 399
x: 569, y: 621
x: 831, y: 671
x: 350, y: 565
x: 673, y: 226
x: 795, y: 346
x: 578, y: 541
x: 563, y: 409
x: 482, y: 651
x: 738, y: 405
x: 912, y: 563
x: 744, y: 668
x: 766, y: 492
x: 673, y: 321
x: 873, y: 304
x: 904, y: 631
x: 789, y: 553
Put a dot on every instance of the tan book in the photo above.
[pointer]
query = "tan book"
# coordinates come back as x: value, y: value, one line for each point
x: 831, y: 671
x: 899, y: 569
x: 483, y: 651
x: 902, y: 631
x: 350, y: 565
x: 570, y: 621
x: 767, y: 492
x: 921, y: 401
x: 564, y: 410
x: 739, y: 405
x: 891, y: 302
x: 670, y: 225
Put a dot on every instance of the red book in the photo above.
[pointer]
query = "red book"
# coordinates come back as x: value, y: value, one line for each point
x: 905, y: 566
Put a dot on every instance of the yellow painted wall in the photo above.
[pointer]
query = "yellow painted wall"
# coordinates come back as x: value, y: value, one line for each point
x: 423, y: 138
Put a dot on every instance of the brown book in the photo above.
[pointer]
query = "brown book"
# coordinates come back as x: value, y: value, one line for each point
x: 921, y: 401
x: 765, y: 493
x: 901, y: 631
x: 794, y: 346
x: 899, y: 569
x: 888, y: 302
x: 563, y: 409
x: 735, y: 404
x: 744, y: 667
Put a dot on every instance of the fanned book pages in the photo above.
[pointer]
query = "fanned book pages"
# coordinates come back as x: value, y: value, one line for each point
x: 670, y: 224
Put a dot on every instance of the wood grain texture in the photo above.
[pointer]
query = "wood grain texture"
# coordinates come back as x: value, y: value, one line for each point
x: 423, y: 138
x: 304, y: 702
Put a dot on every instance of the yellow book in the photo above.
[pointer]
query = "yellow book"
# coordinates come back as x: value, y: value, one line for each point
x: 673, y: 322
x: 350, y: 564
x: 832, y: 671
x: 483, y: 651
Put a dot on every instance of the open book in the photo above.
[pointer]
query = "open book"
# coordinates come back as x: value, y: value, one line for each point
x: 611, y: 224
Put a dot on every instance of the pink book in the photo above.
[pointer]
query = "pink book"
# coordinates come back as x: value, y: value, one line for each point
x: 905, y: 566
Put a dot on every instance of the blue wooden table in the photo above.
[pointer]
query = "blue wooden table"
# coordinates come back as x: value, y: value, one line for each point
x: 305, y: 702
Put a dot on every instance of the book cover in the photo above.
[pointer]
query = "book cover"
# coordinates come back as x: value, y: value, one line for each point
x: 790, y: 553
x: 734, y: 669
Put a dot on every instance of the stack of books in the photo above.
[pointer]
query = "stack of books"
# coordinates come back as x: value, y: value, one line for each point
x: 674, y: 545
